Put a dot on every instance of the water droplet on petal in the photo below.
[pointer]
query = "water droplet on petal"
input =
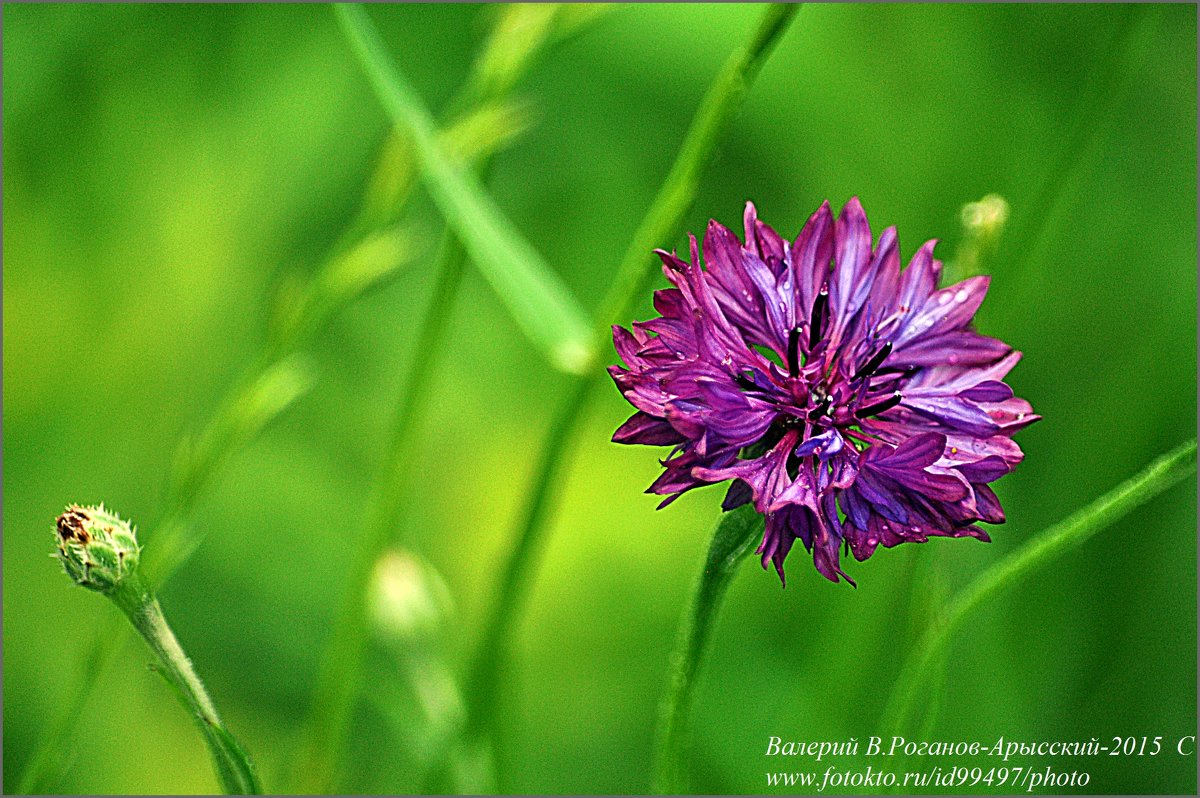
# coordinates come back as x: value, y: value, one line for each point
x: 944, y: 297
x: 961, y: 296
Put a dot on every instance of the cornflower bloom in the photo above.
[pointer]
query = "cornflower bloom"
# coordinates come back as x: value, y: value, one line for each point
x: 851, y: 401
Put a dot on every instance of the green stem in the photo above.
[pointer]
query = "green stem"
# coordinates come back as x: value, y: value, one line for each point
x: 49, y: 752
x: 732, y: 541
x: 339, y: 681
x: 664, y: 220
x: 661, y: 223
x: 1094, y: 113
x: 489, y: 662
x: 237, y: 421
x: 231, y: 763
x: 536, y: 298
x: 1067, y: 534
x: 470, y: 757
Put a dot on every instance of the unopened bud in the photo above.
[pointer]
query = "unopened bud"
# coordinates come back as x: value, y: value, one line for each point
x: 987, y: 216
x: 982, y: 222
x: 410, y: 601
x: 97, y: 549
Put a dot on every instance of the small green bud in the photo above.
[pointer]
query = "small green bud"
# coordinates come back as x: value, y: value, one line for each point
x: 983, y: 222
x: 97, y: 548
x: 986, y: 217
x: 409, y: 600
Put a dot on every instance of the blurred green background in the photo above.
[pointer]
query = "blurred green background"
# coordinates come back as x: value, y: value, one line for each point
x: 166, y: 168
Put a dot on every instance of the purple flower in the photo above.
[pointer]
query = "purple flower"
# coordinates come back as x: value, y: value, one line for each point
x: 851, y: 401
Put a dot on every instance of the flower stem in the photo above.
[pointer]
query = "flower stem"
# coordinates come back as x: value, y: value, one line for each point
x: 1059, y: 538
x: 732, y: 541
x: 1094, y: 114
x: 269, y: 387
x: 340, y: 678
x: 273, y: 381
x: 231, y: 763
x: 661, y: 223
x: 489, y: 662
x: 339, y: 681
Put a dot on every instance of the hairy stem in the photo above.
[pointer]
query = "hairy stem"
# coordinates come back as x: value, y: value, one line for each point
x: 1059, y: 538
x: 277, y: 377
x: 230, y: 761
x: 732, y: 541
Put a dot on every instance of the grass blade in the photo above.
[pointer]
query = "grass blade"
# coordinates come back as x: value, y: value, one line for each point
x: 487, y: 119
x: 536, y: 297
x: 1052, y: 542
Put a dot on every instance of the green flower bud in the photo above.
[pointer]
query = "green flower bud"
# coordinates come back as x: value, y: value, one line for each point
x: 410, y: 602
x: 97, y: 549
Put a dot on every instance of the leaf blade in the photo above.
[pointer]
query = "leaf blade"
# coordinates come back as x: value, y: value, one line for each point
x: 533, y: 293
x: 1072, y: 531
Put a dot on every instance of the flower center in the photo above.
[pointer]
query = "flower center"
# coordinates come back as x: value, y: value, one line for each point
x: 830, y: 400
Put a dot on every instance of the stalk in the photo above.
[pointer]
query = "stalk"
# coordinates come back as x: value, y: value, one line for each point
x: 99, y: 551
x: 230, y: 762
x: 732, y: 541
x: 521, y: 33
x: 1071, y: 532
x: 662, y: 223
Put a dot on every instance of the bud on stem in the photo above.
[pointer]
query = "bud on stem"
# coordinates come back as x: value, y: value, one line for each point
x: 99, y: 551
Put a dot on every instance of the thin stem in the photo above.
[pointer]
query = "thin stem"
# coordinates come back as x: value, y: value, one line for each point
x: 397, y: 471
x: 230, y: 761
x: 173, y: 539
x: 1067, y: 534
x: 536, y: 297
x: 1094, y: 114
x: 664, y: 220
x: 340, y: 679
x: 275, y: 379
x: 732, y: 541
x: 489, y: 662
x: 661, y: 224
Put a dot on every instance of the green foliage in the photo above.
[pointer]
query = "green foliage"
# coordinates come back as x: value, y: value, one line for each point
x: 539, y: 301
x: 927, y: 657
x: 678, y: 192
x: 172, y: 171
